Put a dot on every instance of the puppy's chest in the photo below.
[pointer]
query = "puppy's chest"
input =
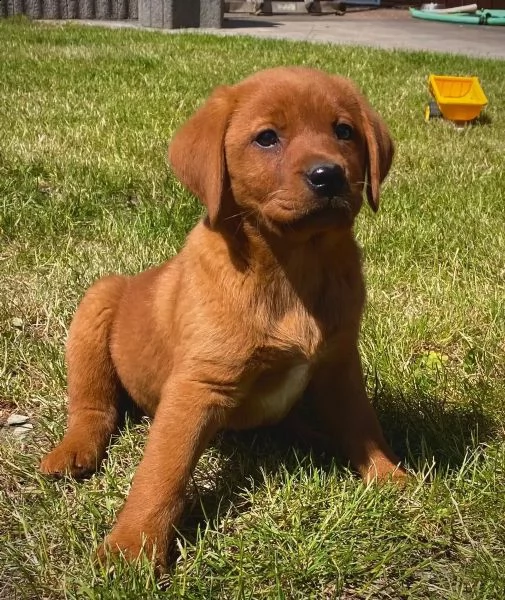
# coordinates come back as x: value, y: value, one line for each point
x: 283, y: 367
x: 275, y: 394
x: 292, y: 337
x: 297, y: 332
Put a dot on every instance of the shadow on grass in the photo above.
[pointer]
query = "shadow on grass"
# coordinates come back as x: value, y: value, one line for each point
x: 427, y: 429
x: 484, y: 119
x: 421, y: 430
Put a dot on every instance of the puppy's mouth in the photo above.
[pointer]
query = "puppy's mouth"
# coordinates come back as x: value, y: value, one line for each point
x: 331, y: 204
x: 310, y: 212
x: 332, y: 209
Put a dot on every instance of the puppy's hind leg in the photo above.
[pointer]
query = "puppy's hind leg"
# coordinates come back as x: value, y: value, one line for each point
x: 93, y: 384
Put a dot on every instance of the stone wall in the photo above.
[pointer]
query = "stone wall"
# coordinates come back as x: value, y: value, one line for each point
x: 71, y: 9
x: 173, y: 14
x: 168, y: 14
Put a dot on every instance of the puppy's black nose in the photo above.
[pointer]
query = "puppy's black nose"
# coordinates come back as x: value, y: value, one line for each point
x: 326, y: 179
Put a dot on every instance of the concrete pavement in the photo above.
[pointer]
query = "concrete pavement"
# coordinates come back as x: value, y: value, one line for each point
x: 382, y: 28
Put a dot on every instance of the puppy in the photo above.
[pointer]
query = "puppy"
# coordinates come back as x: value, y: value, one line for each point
x: 262, y: 305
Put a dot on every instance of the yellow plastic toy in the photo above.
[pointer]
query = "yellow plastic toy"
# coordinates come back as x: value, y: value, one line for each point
x: 458, y: 99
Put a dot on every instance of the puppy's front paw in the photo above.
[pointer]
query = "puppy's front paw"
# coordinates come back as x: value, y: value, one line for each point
x: 132, y: 544
x: 72, y: 457
x: 386, y: 472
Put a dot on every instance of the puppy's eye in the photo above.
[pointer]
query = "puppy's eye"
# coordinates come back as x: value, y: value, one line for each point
x: 267, y: 138
x: 343, y: 131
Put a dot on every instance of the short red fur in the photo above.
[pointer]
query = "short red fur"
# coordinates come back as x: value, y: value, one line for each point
x: 261, y: 307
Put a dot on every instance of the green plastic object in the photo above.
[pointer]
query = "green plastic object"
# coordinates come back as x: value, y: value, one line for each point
x: 480, y: 17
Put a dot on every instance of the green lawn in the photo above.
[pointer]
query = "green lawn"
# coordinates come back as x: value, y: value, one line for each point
x: 85, y: 117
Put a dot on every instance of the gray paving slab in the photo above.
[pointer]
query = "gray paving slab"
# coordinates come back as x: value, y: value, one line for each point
x: 383, y: 28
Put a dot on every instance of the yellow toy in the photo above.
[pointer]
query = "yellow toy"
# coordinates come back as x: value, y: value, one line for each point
x: 458, y: 99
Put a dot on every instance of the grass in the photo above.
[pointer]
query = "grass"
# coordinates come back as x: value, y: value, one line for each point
x: 85, y: 116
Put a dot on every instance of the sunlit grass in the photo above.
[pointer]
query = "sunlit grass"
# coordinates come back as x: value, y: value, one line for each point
x: 85, y: 118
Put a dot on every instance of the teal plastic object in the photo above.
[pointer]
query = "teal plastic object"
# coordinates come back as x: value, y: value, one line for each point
x: 480, y: 17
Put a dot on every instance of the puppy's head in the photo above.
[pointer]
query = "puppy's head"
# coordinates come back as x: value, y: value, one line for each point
x: 291, y: 149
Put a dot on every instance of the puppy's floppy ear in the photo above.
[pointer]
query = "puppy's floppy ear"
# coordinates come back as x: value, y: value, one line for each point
x: 196, y: 152
x: 380, y: 152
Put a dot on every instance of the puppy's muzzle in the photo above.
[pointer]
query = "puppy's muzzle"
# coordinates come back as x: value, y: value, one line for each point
x: 327, y: 180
